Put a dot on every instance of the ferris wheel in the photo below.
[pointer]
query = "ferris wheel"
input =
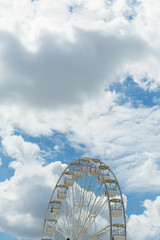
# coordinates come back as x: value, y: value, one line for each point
x: 86, y: 204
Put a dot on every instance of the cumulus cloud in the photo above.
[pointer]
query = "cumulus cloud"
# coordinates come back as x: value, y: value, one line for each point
x: 146, y: 225
x: 68, y: 70
x: 127, y: 138
x: 25, y: 196
x: 65, y: 72
x: 20, y: 150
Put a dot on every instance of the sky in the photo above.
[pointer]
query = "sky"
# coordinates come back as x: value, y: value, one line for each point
x: 78, y: 78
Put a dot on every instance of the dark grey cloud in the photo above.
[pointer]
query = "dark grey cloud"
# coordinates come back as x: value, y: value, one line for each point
x: 61, y: 72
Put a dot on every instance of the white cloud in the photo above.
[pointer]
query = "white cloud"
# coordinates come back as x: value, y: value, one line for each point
x: 146, y: 225
x: 63, y: 70
x: 25, y: 196
x: 127, y: 138
x: 0, y: 161
x: 57, y: 148
x: 62, y: 73
x: 20, y: 150
x: 146, y: 173
x: 32, y: 122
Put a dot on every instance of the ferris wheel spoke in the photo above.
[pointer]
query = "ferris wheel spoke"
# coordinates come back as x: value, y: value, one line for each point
x: 89, y: 184
x: 92, y: 220
x: 81, y: 204
x: 71, y: 208
x: 67, y: 217
x: 88, y: 215
x: 89, y: 224
x: 92, y: 190
x: 99, y: 234
x: 90, y: 197
x: 98, y: 204
x: 77, y: 201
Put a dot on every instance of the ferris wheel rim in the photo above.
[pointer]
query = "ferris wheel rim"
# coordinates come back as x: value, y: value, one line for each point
x: 91, y: 160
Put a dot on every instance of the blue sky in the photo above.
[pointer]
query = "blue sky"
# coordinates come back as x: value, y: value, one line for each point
x: 130, y: 91
x: 78, y: 79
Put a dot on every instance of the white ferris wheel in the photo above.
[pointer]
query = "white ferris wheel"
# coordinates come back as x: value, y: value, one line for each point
x: 86, y: 204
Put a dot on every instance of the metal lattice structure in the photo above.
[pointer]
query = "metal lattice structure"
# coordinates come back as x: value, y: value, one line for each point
x: 86, y: 204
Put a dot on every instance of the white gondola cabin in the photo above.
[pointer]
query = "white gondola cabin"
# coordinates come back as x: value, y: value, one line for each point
x: 118, y: 232
x: 112, y: 192
x: 55, y: 207
x: 61, y: 195
x: 93, y: 171
x: 116, y: 207
x: 103, y: 176
x: 68, y: 182
x: 49, y: 228
x: 85, y: 169
x: 77, y: 174
x: 47, y: 238
x: 61, y: 192
x: 111, y: 187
